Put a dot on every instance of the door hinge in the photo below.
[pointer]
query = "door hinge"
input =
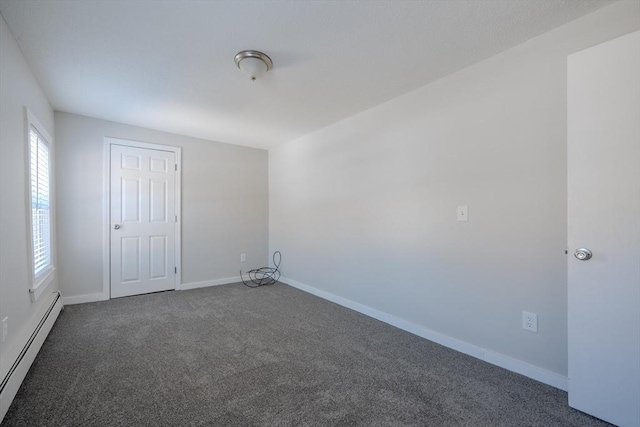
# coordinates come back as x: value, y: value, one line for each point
x: 176, y: 166
x: 176, y: 218
x: 175, y: 270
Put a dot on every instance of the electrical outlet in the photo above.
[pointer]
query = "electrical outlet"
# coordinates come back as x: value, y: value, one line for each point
x: 243, y: 257
x: 5, y: 328
x: 530, y: 321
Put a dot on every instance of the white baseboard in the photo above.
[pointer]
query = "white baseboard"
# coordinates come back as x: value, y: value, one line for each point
x: 526, y: 369
x: 506, y: 362
x: 81, y: 299
x: 207, y: 283
x: 21, y: 355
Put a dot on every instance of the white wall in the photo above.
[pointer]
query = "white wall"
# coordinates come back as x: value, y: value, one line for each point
x: 224, y: 203
x: 366, y: 208
x: 18, y: 89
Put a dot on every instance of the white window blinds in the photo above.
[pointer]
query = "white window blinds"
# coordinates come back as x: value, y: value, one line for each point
x: 40, y: 198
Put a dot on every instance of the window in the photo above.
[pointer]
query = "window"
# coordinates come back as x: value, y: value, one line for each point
x: 39, y: 206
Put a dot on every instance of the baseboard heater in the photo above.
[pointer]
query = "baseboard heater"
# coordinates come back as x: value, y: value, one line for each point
x: 22, y: 361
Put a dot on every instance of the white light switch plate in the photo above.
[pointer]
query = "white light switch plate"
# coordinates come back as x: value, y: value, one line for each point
x: 463, y: 213
x: 5, y: 328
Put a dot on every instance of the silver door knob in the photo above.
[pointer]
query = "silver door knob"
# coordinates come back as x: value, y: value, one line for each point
x: 583, y: 254
x: 116, y: 227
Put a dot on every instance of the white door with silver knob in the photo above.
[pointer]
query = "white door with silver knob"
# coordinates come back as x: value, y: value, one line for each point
x: 604, y: 230
x: 142, y: 214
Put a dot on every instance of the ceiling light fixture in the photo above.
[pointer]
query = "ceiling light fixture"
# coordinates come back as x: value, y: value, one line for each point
x: 254, y: 63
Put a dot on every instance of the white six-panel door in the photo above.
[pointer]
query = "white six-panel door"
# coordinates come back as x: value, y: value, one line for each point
x: 604, y: 217
x: 143, y: 220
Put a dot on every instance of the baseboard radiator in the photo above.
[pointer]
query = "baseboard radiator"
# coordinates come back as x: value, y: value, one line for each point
x: 21, y: 358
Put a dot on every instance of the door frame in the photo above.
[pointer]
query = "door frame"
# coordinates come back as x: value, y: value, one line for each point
x: 106, y: 207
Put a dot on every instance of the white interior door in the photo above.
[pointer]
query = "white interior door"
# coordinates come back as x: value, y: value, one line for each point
x: 143, y: 220
x: 604, y: 217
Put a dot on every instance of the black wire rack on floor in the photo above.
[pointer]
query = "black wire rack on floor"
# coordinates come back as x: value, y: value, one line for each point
x: 265, y: 275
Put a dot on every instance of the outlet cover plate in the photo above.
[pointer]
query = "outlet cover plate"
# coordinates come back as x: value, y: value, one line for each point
x: 529, y: 321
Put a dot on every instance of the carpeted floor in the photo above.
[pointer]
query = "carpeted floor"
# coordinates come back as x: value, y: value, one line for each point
x: 272, y: 356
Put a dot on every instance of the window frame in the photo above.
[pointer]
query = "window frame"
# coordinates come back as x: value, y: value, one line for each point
x: 38, y: 283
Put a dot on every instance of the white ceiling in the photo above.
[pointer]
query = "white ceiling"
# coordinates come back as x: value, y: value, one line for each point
x: 168, y: 65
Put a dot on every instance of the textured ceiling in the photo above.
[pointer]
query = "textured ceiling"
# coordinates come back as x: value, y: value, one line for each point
x: 168, y: 65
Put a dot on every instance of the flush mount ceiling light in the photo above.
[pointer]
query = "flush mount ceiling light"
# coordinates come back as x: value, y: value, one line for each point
x: 254, y: 63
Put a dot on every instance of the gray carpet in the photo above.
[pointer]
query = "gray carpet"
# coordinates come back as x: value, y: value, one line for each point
x: 272, y: 356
